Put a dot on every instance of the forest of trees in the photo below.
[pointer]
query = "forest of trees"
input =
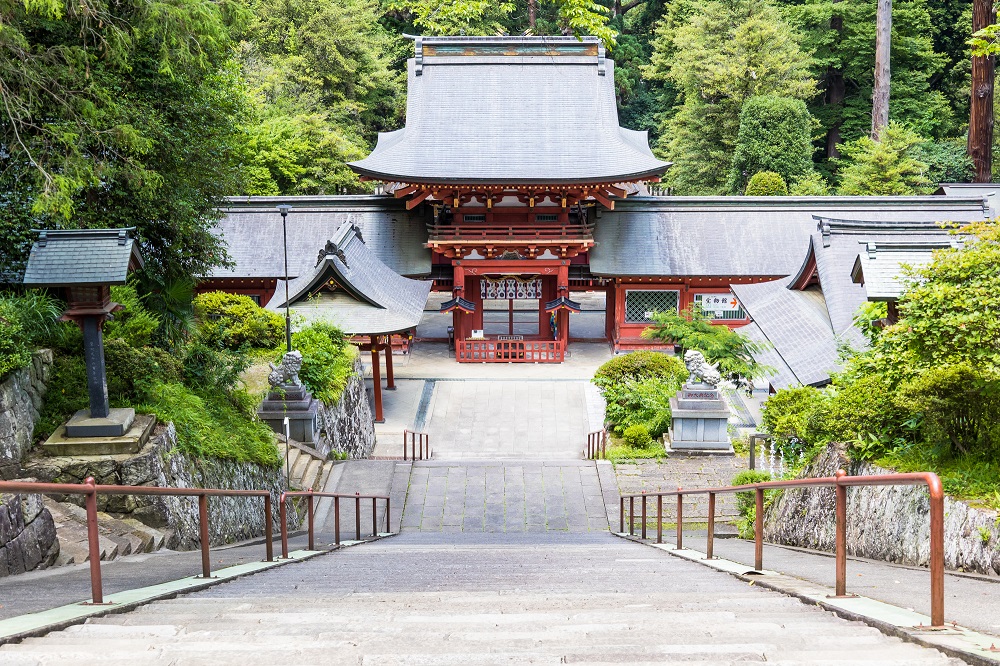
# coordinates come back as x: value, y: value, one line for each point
x: 146, y: 113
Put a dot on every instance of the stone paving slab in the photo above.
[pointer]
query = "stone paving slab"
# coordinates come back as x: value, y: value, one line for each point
x: 686, y: 472
x: 504, y: 496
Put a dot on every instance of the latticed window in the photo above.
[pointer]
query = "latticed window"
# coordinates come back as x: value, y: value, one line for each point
x: 640, y: 305
x: 720, y: 306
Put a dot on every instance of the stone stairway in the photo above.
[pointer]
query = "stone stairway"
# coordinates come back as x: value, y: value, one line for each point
x: 118, y: 537
x: 306, y: 468
x: 426, y: 599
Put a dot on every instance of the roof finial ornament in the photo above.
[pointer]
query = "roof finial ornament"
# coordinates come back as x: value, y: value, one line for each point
x: 331, y: 249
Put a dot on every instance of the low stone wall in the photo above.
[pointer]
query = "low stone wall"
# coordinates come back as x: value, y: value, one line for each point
x: 348, y: 426
x: 27, y: 534
x: 20, y: 401
x: 160, y: 464
x: 884, y: 523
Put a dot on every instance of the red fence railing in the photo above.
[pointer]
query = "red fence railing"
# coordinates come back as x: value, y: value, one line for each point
x: 597, y: 445
x: 510, y: 351
x: 419, y: 444
x: 90, y: 490
x: 841, y: 482
x: 310, y: 512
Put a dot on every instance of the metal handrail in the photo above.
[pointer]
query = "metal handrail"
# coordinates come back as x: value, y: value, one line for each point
x: 420, y: 445
x: 597, y: 445
x: 310, y: 494
x: 841, y: 482
x: 90, y: 489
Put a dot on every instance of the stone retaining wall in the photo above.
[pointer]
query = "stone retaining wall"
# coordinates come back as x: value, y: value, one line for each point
x: 348, y: 426
x: 884, y: 523
x: 20, y: 402
x: 160, y: 464
x: 27, y: 534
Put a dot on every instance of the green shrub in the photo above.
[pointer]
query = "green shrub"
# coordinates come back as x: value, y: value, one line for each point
x: 209, y: 368
x: 792, y: 417
x: 811, y: 184
x: 746, y: 501
x: 66, y: 393
x: 236, y: 322
x: 14, y: 350
x: 774, y: 136
x: 863, y: 414
x: 637, y: 436
x: 645, y: 402
x: 211, y: 425
x: 327, y: 360
x: 640, y: 365
x: 131, y: 371
x: 133, y: 323
x: 766, y: 184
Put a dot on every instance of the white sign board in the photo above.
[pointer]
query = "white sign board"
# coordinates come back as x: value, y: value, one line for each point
x: 719, y: 302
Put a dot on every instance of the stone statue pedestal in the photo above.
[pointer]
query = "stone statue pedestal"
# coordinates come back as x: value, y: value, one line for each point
x: 700, y: 419
x: 294, y: 402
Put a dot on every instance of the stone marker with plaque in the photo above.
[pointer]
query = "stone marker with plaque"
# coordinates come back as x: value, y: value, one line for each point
x: 699, y: 413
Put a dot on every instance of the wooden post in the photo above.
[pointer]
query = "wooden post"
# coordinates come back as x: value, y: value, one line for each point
x: 376, y: 382
x: 390, y: 382
x: 880, y: 95
x: 980, y: 143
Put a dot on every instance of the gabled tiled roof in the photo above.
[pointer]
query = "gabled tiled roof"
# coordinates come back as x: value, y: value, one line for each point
x: 81, y: 257
x: 743, y: 236
x: 796, y: 324
x: 510, y: 110
x: 369, y: 298
x: 251, y: 229
x: 879, y: 266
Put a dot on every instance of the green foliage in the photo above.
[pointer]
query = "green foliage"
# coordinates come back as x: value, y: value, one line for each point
x: 327, y: 360
x: 235, y: 322
x: 947, y: 160
x: 792, y: 417
x: 887, y: 167
x: 210, y: 425
x: 810, y: 185
x: 27, y: 321
x: 644, y: 402
x: 766, y: 184
x: 638, y: 366
x: 717, y: 55
x: 66, y: 393
x: 133, y: 370
x: 746, y: 501
x: 636, y: 436
x: 133, y: 323
x: 14, y: 350
x: 211, y: 369
x: 774, y: 136
x: 731, y: 352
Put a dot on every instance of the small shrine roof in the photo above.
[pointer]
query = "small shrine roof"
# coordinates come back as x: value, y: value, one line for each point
x: 879, y: 267
x: 79, y: 257
x: 511, y: 110
x: 365, y: 297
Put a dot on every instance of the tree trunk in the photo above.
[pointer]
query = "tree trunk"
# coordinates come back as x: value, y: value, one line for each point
x: 880, y: 95
x: 836, y: 91
x: 980, y: 144
x: 532, y: 13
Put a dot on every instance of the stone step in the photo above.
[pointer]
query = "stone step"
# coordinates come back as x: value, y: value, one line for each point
x: 310, y: 478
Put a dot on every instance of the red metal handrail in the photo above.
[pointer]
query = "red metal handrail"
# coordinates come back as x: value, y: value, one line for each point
x: 597, y: 445
x: 419, y: 443
x: 841, y: 482
x: 90, y: 489
x: 310, y: 494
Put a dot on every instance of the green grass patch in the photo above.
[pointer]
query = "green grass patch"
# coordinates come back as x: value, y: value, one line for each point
x: 620, y: 452
x: 212, y: 426
x: 973, y: 479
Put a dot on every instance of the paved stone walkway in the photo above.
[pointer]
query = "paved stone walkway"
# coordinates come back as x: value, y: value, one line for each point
x: 509, y: 419
x: 686, y: 472
x: 504, y: 496
x: 433, y: 599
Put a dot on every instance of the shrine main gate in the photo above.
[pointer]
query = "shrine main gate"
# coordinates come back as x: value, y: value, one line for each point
x: 509, y: 311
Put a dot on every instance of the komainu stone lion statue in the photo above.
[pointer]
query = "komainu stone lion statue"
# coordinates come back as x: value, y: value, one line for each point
x: 288, y: 372
x: 700, y: 369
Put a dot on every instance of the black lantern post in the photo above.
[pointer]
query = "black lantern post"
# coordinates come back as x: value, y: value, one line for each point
x: 283, y: 209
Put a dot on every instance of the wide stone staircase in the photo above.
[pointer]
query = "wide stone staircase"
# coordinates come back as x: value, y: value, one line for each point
x: 432, y: 599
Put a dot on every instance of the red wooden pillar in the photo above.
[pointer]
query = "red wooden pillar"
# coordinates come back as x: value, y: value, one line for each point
x: 390, y: 382
x: 562, y: 289
x: 458, y: 318
x: 377, y: 381
x: 610, y: 298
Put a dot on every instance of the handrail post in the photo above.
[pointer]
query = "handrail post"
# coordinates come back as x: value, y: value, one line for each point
x: 937, y: 549
x: 710, y: 548
x: 283, y: 516
x: 659, y: 519
x: 680, y: 519
x: 268, y: 528
x: 621, y: 515
x: 93, y: 543
x: 388, y: 514
x: 841, y: 536
x: 357, y: 515
x: 631, y: 516
x: 309, y: 510
x: 206, y: 562
x: 758, y: 530
x: 404, y: 445
x: 644, y: 515
x: 336, y: 520
x: 374, y: 517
